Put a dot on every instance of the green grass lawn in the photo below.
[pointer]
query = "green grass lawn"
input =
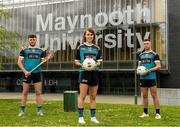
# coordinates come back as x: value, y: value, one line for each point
x: 107, y: 114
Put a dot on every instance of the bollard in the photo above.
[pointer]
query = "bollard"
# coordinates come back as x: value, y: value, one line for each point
x: 70, y: 101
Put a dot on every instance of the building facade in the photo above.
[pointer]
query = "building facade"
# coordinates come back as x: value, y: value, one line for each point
x: 120, y: 25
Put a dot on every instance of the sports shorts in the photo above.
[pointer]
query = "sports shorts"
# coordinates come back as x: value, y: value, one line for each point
x: 33, y: 78
x: 148, y: 83
x: 90, y: 78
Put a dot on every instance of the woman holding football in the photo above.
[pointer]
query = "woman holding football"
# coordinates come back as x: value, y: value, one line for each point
x: 88, y: 77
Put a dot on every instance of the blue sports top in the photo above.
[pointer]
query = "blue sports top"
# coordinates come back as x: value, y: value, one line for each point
x: 32, y: 57
x: 91, y: 51
x: 148, y: 59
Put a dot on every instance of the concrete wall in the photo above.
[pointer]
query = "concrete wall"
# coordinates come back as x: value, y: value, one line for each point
x: 167, y: 96
x: 172, y: 80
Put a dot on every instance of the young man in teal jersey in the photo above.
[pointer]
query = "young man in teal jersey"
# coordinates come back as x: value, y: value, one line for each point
x: 28, y: 59
x: 151, y: 61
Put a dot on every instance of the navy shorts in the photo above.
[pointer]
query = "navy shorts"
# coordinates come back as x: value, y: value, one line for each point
x: 33, y: 78
x: 148, y: 83
x: 90, y: 78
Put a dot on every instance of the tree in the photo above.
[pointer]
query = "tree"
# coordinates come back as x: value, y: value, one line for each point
x: 8, y: 39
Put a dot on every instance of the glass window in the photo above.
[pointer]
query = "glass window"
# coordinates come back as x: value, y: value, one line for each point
x: 120, y: 25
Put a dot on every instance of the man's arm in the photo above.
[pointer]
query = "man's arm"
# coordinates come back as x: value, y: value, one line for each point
x: 157, y: 67
x: 139, y: 63
x: 157, y: 62
x: 46, y: 57
x: 21, y: 66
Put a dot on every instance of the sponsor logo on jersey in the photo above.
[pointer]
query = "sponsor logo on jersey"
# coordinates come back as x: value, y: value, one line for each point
x: 33, y: 56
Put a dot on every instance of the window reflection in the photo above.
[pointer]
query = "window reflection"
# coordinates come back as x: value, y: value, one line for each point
x: 119, y: 38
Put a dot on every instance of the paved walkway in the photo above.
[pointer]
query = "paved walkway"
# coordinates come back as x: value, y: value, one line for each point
x: 112, y: 99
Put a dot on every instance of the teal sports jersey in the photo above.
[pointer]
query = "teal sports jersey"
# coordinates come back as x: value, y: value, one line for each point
x: 32, y: 57
x: 148, y: 59
x: 90, y: 51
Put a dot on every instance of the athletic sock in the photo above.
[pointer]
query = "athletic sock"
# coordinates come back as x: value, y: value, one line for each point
x: 22, y: 108
x: 146, y: 110
x: 93, y: 112
x: 158, y: 111
x: 39, y: 108
x: 81, y: 111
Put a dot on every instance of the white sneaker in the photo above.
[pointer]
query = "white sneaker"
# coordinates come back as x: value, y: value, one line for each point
x: 21, y: 114
x: 40, y: 114
x: 144, y: 115
x: 81, y: 120
x: 158, y: 116
x: 93, y: 119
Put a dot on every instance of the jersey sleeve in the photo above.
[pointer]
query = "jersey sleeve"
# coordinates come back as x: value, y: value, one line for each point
x: 43, y: 54
x: 22, y: 53
x: 139, y: 58
x: 99, y: 56
x: 77, y: 57
x: 156, y: 57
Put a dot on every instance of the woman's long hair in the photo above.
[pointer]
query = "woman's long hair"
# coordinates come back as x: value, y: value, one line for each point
x: 91, y: 31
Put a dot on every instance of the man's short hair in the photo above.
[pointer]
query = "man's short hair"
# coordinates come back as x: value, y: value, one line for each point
x: 32, y: 36
x: 147, y: 40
